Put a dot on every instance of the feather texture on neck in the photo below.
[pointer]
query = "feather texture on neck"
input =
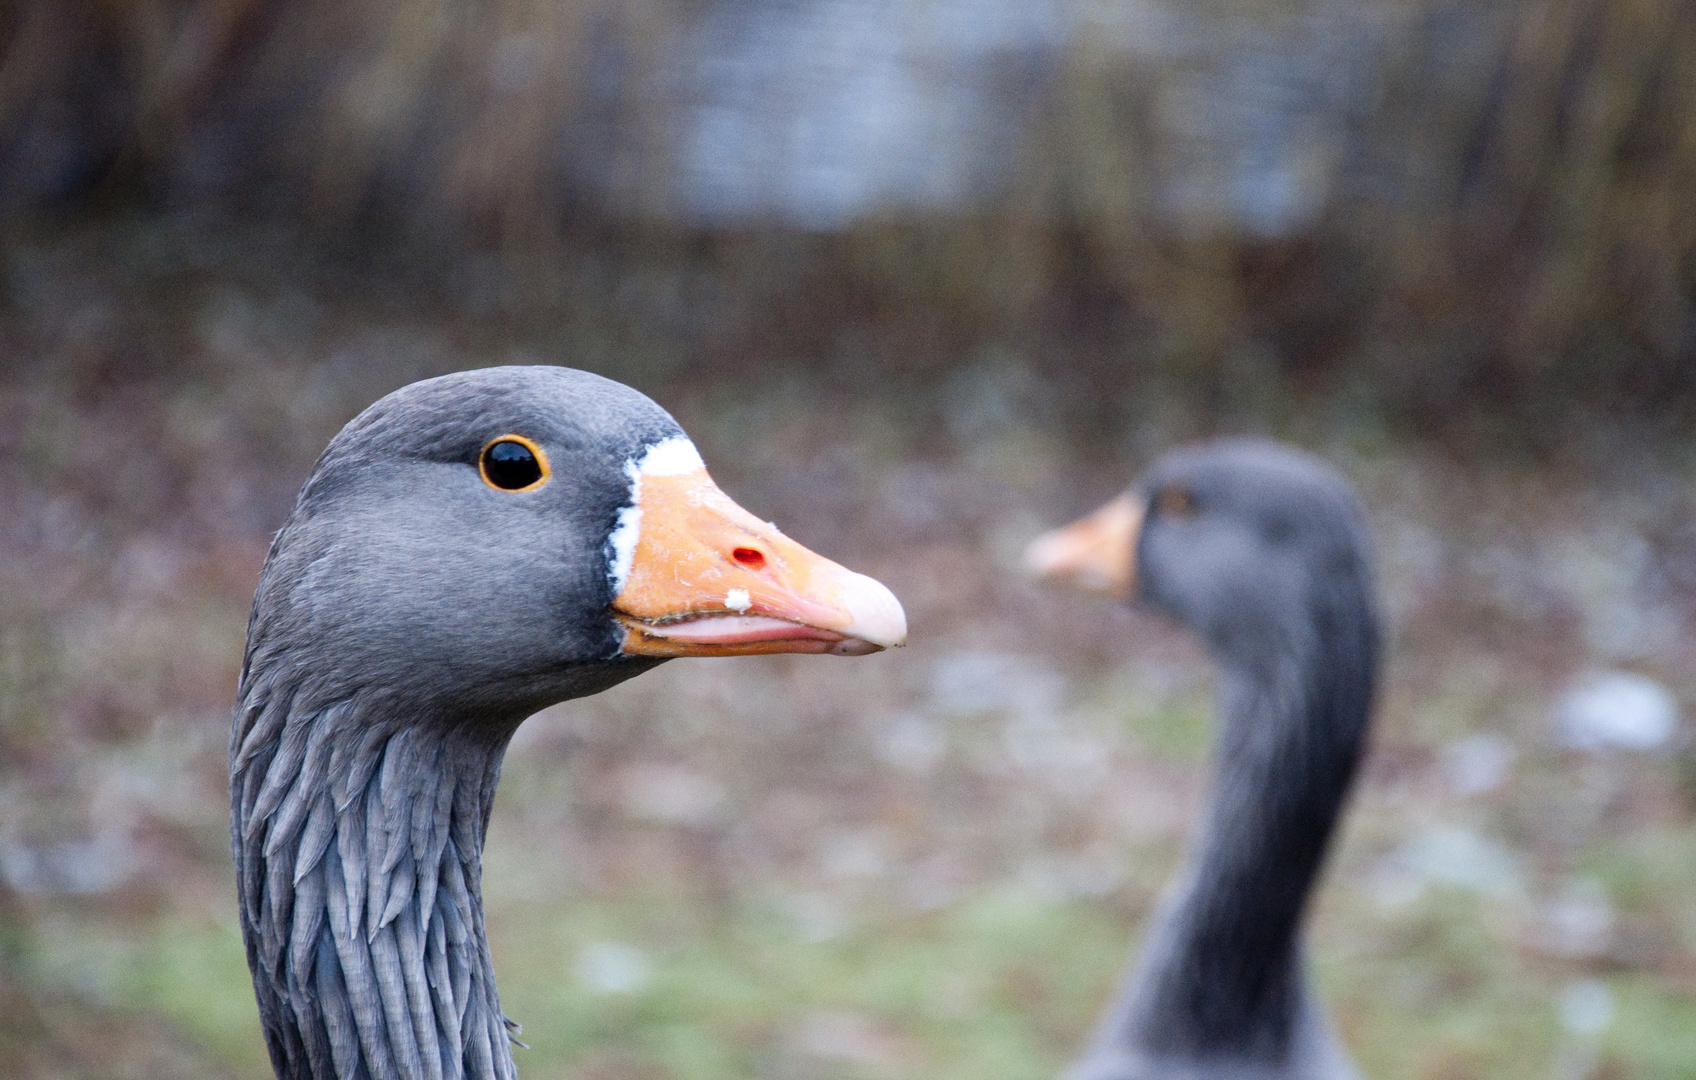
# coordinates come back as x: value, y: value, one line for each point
x: 358, y: 841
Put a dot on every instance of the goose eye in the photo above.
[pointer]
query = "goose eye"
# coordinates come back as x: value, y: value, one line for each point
x: 1175, y: 502
x: 513, y: 463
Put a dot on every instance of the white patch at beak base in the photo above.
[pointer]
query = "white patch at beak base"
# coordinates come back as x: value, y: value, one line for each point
x: 622, y: 542
x: 675, y: 456
x: 669, y: 457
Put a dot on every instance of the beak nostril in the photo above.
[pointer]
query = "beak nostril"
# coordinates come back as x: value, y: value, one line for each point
x: 752, y: 558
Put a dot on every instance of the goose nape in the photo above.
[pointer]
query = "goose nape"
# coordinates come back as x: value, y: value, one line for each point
x: 467, y: 551
x: 1260, y: 550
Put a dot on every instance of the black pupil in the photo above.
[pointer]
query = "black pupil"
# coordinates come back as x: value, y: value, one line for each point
x: 511, y: 465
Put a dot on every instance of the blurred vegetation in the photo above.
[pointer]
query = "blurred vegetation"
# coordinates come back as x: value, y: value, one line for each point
x: 1504, y: 210
x: 227, y: 225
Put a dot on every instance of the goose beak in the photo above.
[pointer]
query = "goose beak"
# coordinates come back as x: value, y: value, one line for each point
x: 707, y: 578
x: 1096, y: 553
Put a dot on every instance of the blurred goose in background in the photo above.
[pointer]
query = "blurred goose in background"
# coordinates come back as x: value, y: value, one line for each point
x: 466, y: 551
x: 1261, y: 550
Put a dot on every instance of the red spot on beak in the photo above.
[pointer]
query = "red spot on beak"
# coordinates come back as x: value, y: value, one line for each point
x: 752, y: 558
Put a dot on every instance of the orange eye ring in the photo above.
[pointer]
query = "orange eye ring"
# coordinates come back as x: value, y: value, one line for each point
x: 513, y: 464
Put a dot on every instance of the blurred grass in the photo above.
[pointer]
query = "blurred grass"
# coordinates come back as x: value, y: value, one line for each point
x: 957, y: 994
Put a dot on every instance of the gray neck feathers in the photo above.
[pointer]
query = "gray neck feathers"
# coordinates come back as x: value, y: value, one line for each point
x: 1222, y: 972
x: 358, y: 840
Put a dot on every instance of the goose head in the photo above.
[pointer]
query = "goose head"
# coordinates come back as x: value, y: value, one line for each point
x: 467, y: 551
x: 499, y: 540
x: 1244, y: 541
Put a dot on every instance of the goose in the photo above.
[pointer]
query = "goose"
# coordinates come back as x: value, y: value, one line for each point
x: 1261, y: 551
x: 465, y: 552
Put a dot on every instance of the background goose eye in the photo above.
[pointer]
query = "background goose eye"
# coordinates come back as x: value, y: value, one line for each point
x: 513, y: 463
x: 1174, y: 501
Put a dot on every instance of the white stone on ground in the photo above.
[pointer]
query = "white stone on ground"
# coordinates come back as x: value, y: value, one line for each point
x: 1616, y: 710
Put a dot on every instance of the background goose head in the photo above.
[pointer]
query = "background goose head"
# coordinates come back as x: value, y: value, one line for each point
x: 1261, y: 550
x: 466, y: 551
x: 1246, y: 542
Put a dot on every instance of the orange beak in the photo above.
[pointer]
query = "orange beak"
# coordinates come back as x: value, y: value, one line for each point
x: 707, y: 578
x: 1096, y: 553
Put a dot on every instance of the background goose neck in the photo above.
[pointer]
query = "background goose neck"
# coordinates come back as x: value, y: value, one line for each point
x: 1224, y: 968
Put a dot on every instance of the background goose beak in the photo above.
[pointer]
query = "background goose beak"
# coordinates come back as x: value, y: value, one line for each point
x: 1096, y: 553
x: 709, y: 579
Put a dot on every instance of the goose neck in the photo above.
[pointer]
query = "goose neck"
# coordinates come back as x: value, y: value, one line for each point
x: 1226, y: 962
x: 358, y: 841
